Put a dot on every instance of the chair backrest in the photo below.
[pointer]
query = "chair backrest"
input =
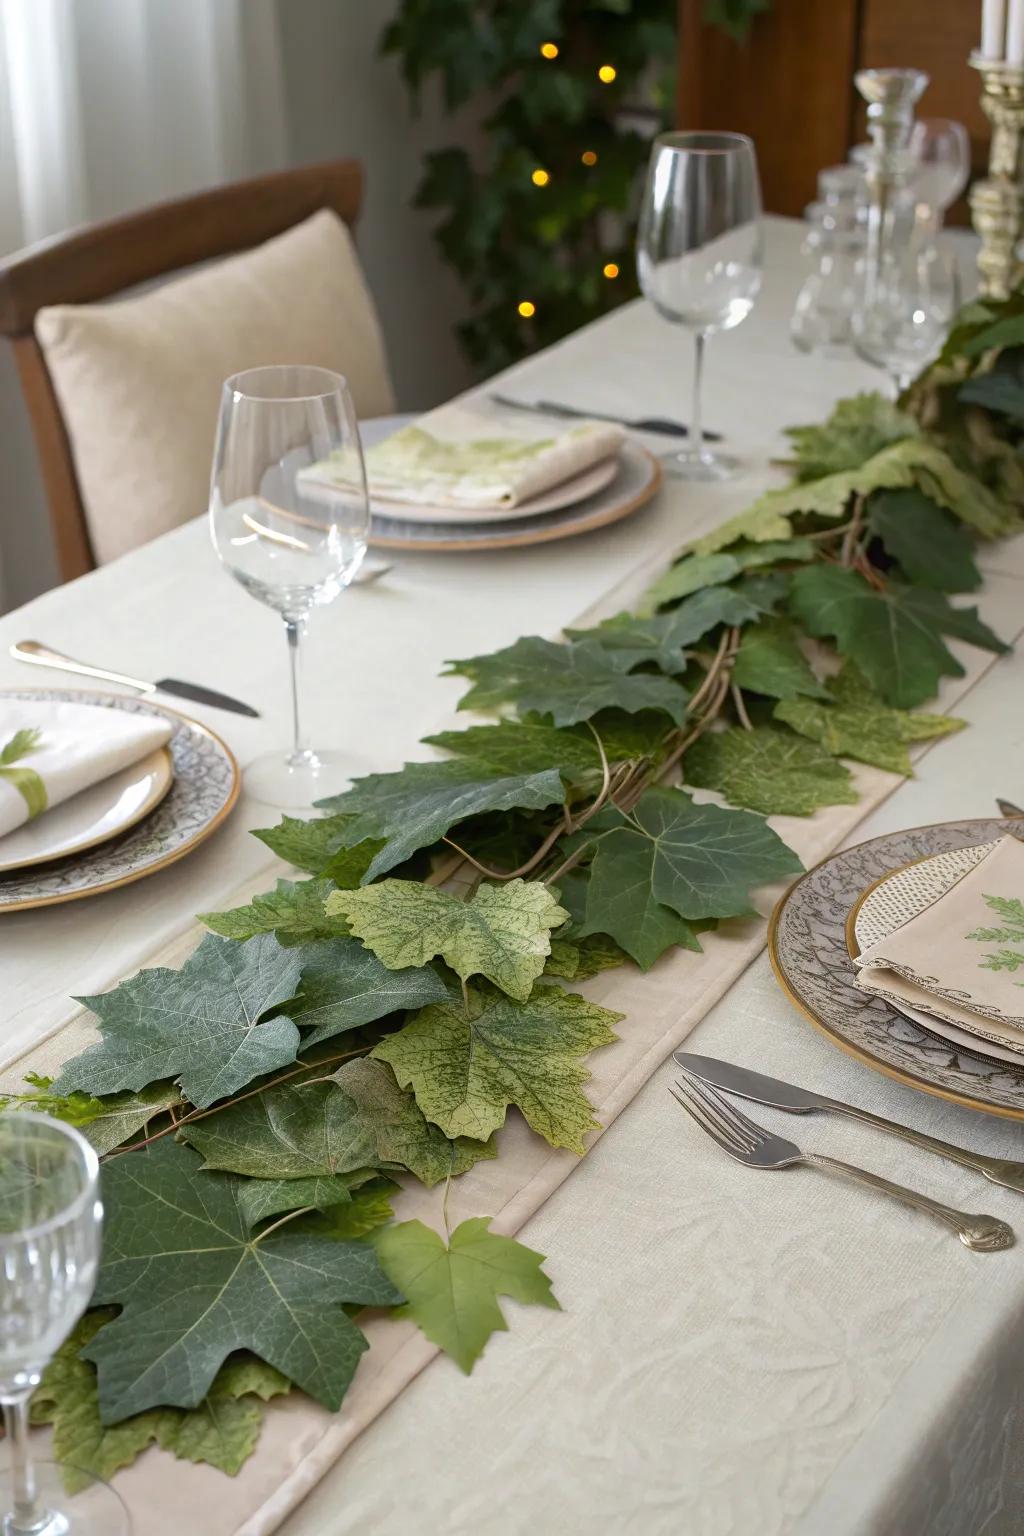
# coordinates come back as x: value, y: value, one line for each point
x: 103, y: 260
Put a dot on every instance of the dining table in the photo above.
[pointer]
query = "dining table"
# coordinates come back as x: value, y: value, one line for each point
x: 735, y: 1353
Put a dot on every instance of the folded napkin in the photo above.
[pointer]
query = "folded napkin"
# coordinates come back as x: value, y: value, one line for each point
x: 50, y: 751
x: 962, y: 958
x: 471, y: 456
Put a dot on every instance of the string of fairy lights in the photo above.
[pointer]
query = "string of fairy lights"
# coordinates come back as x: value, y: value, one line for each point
x: 540, y: 177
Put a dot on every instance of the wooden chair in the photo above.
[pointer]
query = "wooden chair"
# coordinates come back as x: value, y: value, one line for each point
x: 103, y: 260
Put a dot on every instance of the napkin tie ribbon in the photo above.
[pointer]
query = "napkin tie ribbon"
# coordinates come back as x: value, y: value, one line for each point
x: 25, y: 780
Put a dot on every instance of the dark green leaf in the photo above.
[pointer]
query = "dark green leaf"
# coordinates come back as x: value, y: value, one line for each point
x: 662, y: 638
x: 293, y: 912
x: 856, y: 430
x: 344, y: 986
x: 1001, y: 389
x: 933, y: 549
x: 770, y: 661
x: 516, y: 746
x: 401, y: 1132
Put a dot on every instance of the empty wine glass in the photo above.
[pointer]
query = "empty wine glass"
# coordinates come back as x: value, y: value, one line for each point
x: 699, y: 254
x: 915, y: 298
x: 942, y: 149
x: 50, y: 1218
x: 289, y: 517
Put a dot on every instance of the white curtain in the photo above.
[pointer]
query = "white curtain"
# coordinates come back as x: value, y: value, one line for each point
x: 105, y: 106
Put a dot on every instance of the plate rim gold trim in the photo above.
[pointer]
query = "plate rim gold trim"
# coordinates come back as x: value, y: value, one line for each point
x: 60, y: 897
x: 908, y: 1079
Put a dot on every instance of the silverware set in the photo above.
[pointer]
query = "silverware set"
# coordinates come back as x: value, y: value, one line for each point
x: 698, y: 1092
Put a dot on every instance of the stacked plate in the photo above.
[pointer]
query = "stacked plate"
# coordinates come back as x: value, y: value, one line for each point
x: 131, y: 824
x: 602, y: 494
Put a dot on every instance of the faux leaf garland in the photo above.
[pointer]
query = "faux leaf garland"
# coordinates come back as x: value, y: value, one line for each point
x: 381, y: 1018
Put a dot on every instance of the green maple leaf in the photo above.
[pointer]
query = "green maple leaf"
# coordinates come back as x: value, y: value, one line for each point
x: 194, y: 1286
x: 760, y: 523
x: 104, y: 1122
x: 401, y: 1132
x: 569, y: 682
x: 929, y: 544
x: 368, y: 1209
x: 199, y: 1025
x: 856, y: 430
x: 517, y: 746
x: 662, y: 638
x: 453, y: 1287
x: 856, y: 723
x: 293, y: 912
x: 260, y: 1198
x: 222, y: 1431
x: 696, y: 572
x: 768, y: 770
x: 344, y: 986
x: 577, y: 958
x: 465, y: 1070
x: 291, y: 1131
x: 415, y: 807
x: 503, y: 933
x: 318, y: 846
x: 894, y: 637
x: 770, y: 661
x: 621, y: 903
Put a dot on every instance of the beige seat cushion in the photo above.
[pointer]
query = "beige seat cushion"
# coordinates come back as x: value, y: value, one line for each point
x: 139, y: 379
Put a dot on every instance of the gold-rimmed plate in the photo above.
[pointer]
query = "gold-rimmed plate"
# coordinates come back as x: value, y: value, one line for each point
x: 807, y: 944
x: 204, y: 787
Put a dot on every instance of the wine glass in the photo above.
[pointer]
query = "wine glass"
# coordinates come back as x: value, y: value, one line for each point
x: 914, y: 300
x: 289, y: 517
x: 50, y: 1218
x: 942, y: 150
x: 699, y: 254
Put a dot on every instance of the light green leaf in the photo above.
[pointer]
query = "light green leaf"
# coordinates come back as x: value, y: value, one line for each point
x: 857, y: 429
x: 770, y: 661
x: 502, y: 933
x: 368, y: 1209
x: 194, y: 1287
x: 933, y: 549
x: 768, y: 770
x: 200, y: 1025
x: 105, y: 1123
x: 691, y: 574
x: 317, y: 845
x: 662, y: 638
x: 453, y: 1288
x: 569, y: 682
x: 414, y: 808
x: 466, y: 1070
x: 855, y: 723
x: 343, y: 986
x: 517, y: 746
x: 759, y: 523
x: 293, y: 912
x: 400, y: 1130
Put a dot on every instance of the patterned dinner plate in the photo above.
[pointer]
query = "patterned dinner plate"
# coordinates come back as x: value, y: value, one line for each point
x: 809, y: 950
x: 206, y: 783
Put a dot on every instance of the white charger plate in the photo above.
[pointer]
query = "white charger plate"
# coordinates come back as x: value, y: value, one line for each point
x: 92, y: 816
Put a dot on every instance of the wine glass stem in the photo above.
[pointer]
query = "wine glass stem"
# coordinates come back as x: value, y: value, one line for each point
x: 26, y: 1515
x: 295, y: 628
x: 696, y: 424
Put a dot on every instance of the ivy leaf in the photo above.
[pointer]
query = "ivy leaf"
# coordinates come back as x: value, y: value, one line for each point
x: 415, y: 807
x: 453, y: 1288
x: 768, y: 770
x: 222, y: 1431
x: 343, y: 986
x: 518, y: 746
x: 856, y: 430
x: 318, y: 846
x: 466, y: 1068
x: 894, y: 637
x: 661, y: 639
x: 194, y: 1287
x: 105, y: 1123
x: 291, y: 1131
x: 929, y: 544
x: 401, y: 1131
x: 199, y: 1025
x: 770, y: 661
x: 855, y: 723
x: 503, y: 933
x: 569, y: 682
x: 293, y: 912
x: 1000, y: 388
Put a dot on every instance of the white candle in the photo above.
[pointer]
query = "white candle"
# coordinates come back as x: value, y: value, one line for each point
x: 1015, y: 33
x: 993, y: 24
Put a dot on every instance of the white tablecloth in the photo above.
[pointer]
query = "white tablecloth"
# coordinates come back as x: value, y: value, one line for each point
x: 737, y: 1354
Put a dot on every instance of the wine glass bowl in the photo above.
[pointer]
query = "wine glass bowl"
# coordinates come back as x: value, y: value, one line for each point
x: 700, y: 251
x: 942, y: 149
x: 289, y: 519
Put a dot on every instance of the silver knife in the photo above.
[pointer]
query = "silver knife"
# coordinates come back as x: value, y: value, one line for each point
x: 41, y: 656
x: 802, y: 1101
x: 661, y: 424
x: 1008, y: 809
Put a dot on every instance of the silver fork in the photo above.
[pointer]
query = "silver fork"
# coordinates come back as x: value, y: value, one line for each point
x: 751, y: 1144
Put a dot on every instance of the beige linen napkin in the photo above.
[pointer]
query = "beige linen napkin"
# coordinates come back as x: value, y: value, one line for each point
x: 471, y: 456
x: 962, y: 958
x: 50, y: 750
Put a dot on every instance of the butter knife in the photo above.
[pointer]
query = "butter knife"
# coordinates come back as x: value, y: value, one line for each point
x: 41, y: 656
x: 802, y: 1101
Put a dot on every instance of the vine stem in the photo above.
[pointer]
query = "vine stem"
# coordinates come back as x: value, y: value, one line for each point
x: 741, y: 708
x: 290, y: 1216
x: 848, y: 548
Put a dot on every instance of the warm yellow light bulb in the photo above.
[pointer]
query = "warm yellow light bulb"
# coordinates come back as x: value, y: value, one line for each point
x: 540, y: 178
x: 549, y: 50
x: 526, y: 309
x: 606, y: 74
x: 610, y: 269
x: 589, y: 157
